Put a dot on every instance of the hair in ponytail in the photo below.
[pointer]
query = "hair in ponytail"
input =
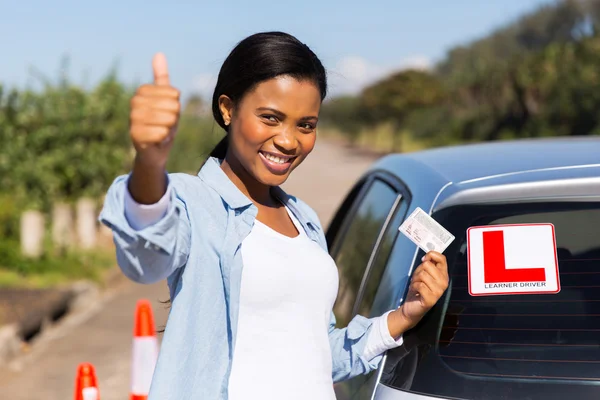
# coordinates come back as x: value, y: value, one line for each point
x: 220, y: 150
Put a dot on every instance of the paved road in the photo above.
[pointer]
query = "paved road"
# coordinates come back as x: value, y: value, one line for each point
x: 102, y: 334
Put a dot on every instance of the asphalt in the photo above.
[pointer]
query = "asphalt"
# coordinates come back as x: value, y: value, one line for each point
x: 102, y: 333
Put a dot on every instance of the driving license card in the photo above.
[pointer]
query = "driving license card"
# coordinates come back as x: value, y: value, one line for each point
x: 426, y: 232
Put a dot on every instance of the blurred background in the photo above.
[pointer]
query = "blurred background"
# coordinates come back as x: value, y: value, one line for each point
x: 404, y: 76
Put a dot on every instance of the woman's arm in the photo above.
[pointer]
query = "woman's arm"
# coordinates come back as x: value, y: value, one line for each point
x: 150, y: 251
x: 352, y: 346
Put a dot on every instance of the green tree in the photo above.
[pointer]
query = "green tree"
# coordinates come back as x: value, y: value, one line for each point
x: 394, y: 97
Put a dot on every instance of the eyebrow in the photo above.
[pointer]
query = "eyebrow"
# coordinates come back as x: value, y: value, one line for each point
x: 280, y: 114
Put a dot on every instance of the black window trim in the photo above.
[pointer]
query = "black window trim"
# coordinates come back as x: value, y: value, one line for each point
x: 340, y: 223
x: 404, y: 195
x: 375, y: 253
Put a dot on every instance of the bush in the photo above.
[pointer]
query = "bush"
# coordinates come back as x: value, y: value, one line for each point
x: 10, y: 211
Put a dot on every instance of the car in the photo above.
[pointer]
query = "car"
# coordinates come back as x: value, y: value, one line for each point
x: 523, y: 346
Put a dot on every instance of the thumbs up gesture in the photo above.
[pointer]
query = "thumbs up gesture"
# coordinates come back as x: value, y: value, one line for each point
x: 154, y: 116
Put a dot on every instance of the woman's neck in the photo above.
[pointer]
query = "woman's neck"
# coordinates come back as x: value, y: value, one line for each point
x: 257, y: 192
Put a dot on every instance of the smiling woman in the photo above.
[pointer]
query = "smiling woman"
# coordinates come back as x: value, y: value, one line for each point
x: 271, y: 131
x: 273, y: 128
x: 239, y: 254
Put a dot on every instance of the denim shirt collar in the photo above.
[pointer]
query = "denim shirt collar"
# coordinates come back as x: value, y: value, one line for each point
x: 215, y: 177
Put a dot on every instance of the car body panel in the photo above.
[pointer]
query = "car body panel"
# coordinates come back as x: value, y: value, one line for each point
x: 483, y: 165
x: 483, y: 160
x: 386, y: 393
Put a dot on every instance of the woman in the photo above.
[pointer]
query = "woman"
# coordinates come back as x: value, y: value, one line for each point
x: 251, y: 282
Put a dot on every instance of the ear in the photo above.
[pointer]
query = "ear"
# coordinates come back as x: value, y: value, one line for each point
x: 226, y: 108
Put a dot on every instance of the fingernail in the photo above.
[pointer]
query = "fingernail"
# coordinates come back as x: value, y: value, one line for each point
x: 423, y: 258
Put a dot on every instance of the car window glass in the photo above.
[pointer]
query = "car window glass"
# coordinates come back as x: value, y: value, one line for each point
x: 395, y: 277
x: 381, y: 260
x: 535, y: 335
x: 357, y: 244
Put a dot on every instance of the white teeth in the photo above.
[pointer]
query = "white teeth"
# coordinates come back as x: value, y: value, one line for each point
x: 274, y: 158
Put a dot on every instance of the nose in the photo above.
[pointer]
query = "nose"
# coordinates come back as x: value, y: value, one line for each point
x: 286, y: 142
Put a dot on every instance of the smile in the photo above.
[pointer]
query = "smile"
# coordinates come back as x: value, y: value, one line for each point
x: 276, y: 163
x: 279, y: 158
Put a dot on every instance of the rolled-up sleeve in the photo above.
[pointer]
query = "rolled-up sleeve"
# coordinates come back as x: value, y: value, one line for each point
x: 348, y: 348
x: 141, y: 216
x: 380, y: 340
x: 154, y: 252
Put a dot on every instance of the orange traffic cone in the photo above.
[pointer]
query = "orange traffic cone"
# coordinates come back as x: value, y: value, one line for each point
x: 86, y: 384
x: 145, y: 351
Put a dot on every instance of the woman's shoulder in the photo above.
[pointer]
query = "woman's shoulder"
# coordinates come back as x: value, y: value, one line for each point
x: 195, y: 193
x: 185, y: 183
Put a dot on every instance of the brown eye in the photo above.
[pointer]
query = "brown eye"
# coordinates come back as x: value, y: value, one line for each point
x: 307, y: 126
x: 270, y: 118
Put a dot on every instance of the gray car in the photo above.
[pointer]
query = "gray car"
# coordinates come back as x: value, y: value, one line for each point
x: 544, y: 346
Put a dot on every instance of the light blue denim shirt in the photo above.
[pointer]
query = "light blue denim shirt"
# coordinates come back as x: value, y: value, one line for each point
x: 196, y: 247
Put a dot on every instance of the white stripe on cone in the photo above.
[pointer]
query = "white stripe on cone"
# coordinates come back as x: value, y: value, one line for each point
x: 90, y: 393
x: 145, y: 355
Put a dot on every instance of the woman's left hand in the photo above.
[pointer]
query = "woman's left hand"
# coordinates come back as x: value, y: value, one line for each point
x: 428, y: 284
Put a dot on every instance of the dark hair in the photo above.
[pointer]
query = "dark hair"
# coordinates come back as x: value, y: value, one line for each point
x: 258, y: 58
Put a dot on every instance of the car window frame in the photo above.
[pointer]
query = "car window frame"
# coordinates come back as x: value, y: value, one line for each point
x: 338, y: 227
x: 339, y: 224
x: 341, y: 221
x: 375, y: 252
x: 402, y: 199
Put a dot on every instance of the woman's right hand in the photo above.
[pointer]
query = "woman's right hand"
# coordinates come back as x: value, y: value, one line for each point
x: 154, y: 116
x: 153, y: 123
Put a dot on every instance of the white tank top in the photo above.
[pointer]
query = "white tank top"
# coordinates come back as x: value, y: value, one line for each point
x: 288, y: 289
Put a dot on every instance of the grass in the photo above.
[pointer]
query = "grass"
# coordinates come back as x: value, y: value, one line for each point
x: 51, y: 270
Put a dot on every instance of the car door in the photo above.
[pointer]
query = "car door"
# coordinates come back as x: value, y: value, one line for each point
x: 361, y: 239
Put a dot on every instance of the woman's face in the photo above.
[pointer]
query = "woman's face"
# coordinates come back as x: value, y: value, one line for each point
x: 273, y: 128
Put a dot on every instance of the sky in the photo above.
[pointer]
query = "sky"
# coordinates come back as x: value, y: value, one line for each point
x: 358, y: 41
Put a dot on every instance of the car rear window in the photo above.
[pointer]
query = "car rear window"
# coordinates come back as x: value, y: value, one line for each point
x: 515, y: 346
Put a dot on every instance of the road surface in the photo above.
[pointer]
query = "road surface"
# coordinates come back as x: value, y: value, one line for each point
x: 102, y: 334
